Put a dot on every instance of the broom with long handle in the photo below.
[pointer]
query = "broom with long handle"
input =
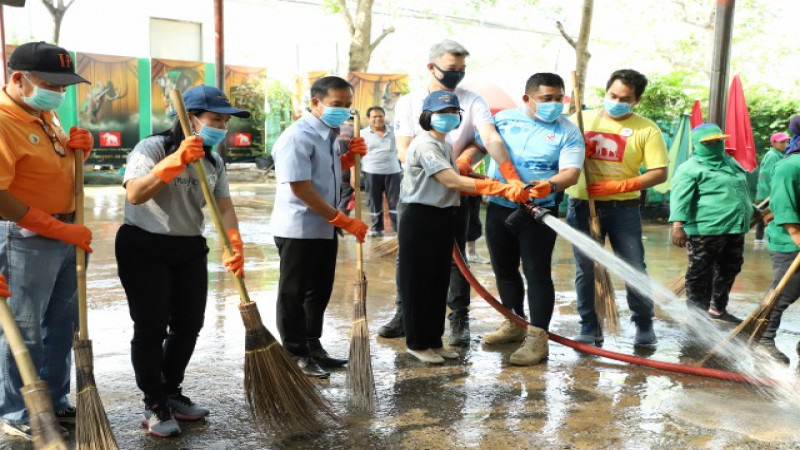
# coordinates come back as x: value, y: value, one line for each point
x: 278, y: 394
x: 44, y: 428
x: 678, y: 285
x: 92, y: 429
x: 605, y: 304
x: 753, y: 326
x: 359, y: 371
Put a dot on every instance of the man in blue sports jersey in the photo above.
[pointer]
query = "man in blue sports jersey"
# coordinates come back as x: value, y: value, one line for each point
x: 545, y: 147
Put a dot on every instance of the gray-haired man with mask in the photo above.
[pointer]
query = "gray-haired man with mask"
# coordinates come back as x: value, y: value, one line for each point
x: 447, y: 67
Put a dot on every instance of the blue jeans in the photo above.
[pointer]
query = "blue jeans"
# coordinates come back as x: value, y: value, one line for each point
x: 623, y: 226
x: 41, y: 275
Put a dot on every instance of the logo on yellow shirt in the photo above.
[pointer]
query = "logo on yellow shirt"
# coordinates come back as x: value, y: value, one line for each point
x: 608, y: 146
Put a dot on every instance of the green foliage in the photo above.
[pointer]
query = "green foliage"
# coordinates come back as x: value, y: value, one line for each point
x: 331, y: 6
x: 770, y: 111
x: 270, y: 104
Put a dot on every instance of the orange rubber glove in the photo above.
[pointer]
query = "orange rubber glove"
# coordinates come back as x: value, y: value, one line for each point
x: 191, y: 150
x: 464, y: 164
x: 510, y: 174
x: 540, y: 189
x: 357, y: 147
x: 608, y: 187
x: 491, y: 187
x: 353, y: 226
x: 235, y: 262
x: 80, y: 139
x: 42, y: 223
x: 591, y: 148
x: 4, y: 292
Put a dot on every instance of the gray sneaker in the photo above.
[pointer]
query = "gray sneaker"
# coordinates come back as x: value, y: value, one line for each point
x: 159, y: 422
x: 24, y: 431
x: 184, y: 409
x: 645, y: 336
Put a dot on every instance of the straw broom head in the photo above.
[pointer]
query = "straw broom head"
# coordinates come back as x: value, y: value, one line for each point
x: 605, y: 304
x: 279, y: 395
x: 45, y: 429
x: 359, y: 371
x: 678, y: 286
x: 92, y: 429
x: 387, y: 248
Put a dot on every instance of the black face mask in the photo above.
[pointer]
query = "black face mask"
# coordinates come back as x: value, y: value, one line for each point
x: 450, y: 78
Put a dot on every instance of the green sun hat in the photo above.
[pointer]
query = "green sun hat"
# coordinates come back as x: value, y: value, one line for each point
x: 707, y: 132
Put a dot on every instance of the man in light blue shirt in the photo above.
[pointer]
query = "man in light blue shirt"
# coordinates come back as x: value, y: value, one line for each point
x: 545, y: 147
x: 381, y: 169
x: 308, y: 169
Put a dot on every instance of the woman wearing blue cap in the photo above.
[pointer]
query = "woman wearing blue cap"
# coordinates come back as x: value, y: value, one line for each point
x: 431, y: 190
x: 161, y: 252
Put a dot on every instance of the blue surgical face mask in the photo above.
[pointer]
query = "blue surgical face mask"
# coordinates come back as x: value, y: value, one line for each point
x: 334, y: 116
x: 549, y: 111
x: 445, y: 122
x: 616, y: 109
x: 44, y: 99
x: 211, y: 136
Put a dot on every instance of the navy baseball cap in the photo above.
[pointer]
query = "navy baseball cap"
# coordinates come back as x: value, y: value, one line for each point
x: 439, y: 100
x: 48, y: 62
x: 209, y: 98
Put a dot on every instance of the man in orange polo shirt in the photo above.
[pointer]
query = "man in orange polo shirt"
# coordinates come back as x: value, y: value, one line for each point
x: 37, y: 238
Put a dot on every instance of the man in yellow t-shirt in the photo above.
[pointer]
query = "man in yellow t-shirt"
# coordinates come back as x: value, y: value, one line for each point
x: 618, y: 143
x: 37, y: 236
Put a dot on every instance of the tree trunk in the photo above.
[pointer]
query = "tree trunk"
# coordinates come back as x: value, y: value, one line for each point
x: 57, y: 18
x: 360, y: 27
x: 581, y: 47
x: 360, y: 49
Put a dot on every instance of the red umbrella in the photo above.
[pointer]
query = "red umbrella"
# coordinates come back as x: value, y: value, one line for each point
x: 737, y: 124
x: 697, y: 115
x: 495, y: 96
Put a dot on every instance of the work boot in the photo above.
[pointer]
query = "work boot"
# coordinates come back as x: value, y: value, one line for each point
x: 473, y: 256
x: 322, y: 357
x: 446, y: 353
x: 459, y: 331
x: 645, y: 336
x: 774, y: 352
x: 590, y: 334
x: 393, y: 329
x: 309, y: 367
x: 534, y: 350
x: 426, y: 356
x: 508, y: 332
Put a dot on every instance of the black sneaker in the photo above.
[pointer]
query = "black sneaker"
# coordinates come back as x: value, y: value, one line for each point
x: 775, y: 353
x: 23, y: 430
x: 393, y: 329
x: 459, y: 331
x: 724, y: 317
x: 159, y: 421
x: 310, y: 367
x: 184, y: 409
x: 66, y: 415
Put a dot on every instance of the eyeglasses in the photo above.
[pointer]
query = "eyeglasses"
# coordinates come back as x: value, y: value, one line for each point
x: 58, y: 147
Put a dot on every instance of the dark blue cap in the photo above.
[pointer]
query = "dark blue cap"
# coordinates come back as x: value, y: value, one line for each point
x: 209, y: 98
x: 439, y: 100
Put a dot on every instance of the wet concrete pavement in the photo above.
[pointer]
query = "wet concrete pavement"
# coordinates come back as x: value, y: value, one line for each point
x: 479, y: 401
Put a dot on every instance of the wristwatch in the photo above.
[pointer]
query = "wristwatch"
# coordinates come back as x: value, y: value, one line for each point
x: 553, y: 186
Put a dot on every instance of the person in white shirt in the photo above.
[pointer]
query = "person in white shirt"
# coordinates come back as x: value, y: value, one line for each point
x: 447, y: 67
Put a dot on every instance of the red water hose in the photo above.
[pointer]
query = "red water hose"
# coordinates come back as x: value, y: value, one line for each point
x: 591, y: 349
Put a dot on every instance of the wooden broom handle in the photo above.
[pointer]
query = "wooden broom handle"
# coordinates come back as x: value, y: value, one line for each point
x: 27, y: 370
x: 576, y: 98
x: 80, y: 254
x: 357, y: 188
x: 180, y: 108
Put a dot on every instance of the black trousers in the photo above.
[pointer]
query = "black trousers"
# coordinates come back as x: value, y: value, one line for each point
x: 780, y: 264
x: 376, y: 184
x: 458, y: 297
x: 166, y: 282
x: 474, y: 228
x: 425, y: 244
x: 307, y: 271
x: 534, y: 247
x: 714, y: 262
